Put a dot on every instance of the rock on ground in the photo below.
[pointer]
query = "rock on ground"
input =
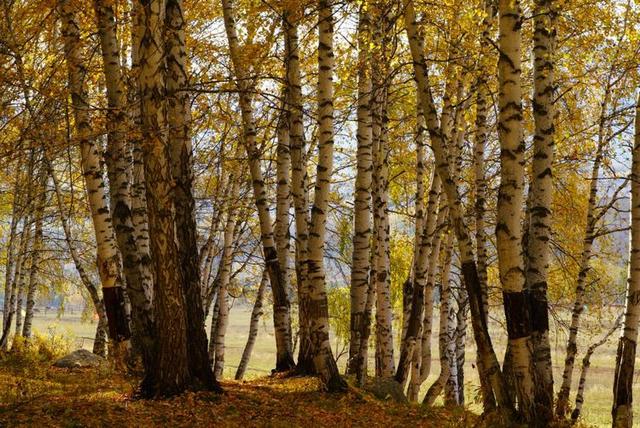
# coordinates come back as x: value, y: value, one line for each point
x: 80, y: 359
x: 386, y: 389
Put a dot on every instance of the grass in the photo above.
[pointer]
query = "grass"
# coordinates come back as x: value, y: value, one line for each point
x: 598, y: 394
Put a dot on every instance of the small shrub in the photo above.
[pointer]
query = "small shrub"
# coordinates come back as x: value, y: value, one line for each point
x: 38, y: 349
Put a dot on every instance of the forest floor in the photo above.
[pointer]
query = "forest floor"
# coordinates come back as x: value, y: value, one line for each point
x: 36, y: 394
x: 71, y: 331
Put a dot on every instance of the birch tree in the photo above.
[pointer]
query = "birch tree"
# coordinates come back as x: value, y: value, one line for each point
x: 538, y: 252
x: 281, y: 313
x: 622, y: 410
x: 108, y: 257
x: 178, y: 110
x: 362, y: 203
x: 256, y: 314
x: 118, y: 157
x: 469, y: 269
x: 323, y: 360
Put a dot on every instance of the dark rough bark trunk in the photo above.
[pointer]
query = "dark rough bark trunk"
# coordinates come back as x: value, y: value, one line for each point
x: 180, y: 150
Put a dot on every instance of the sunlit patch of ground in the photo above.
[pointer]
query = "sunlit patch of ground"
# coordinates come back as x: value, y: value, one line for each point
x: 42, y: 396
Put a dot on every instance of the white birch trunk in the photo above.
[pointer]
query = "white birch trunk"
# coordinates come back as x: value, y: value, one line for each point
x: 538, y: 252
x: 108, y: 257
x: 281, y: 313
x: 323, y: 360
x: 510, y: 204
x: 362, y: 204
x: 622, y: 411
x: 469, y: 270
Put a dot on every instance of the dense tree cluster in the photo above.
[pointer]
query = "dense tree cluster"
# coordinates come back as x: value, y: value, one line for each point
x: 469, y: 161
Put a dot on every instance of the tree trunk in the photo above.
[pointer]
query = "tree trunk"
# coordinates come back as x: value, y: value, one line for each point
x: 108, y: 258
x: 480, y: 183
x: 446, y: 336
x: 256, y: 314
x: 119, y: 160
x: 421, y: 171
x: 36, y: 253
x: 222, y: 319
x: 9, y: 272
x: 178, y: 107
x: 99, y: 344
x: 584, y: 266
x: 299, y: 179
x: 427, y: 322
x: 283, y: 201
x: 510, y: 199
x: 410, y: 345
x: 461, y: 341
x: 362, y: 202
x: 281, y: 310
x: 172, y: 371
x: 323, y: 361
x: 384, y: 313
x: 586, y: 363
x: 469, y: 269
x: 541, y: 196
x: 26, y: 246
x: 622, y: 411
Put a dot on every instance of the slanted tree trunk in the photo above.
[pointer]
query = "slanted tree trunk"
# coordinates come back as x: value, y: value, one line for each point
x: 100, y: 342
x: 256, y: 314
x: 427, y: 323
x: 510, y: 200
x: 362, y: 203
x: 593, y: 216
x: 622, y: 410
x: 281, y: 309
x: 118, y: 157
x: 469, y: 269
x: 451, y: 128
x: 421, y: 171
x: 446, y: 336
x: 108, y: 257
x: 541, y: 195
x: 410, y: 351
x: 480, y: 182
x: 428, y: 262
x: 586, y: 363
